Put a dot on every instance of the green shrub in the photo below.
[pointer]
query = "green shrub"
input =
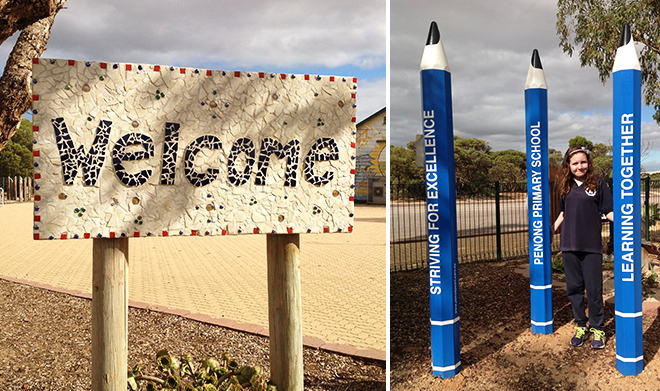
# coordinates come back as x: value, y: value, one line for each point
x: 558, y: 265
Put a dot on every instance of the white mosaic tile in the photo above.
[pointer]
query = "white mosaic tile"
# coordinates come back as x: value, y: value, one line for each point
x: 146, y: 150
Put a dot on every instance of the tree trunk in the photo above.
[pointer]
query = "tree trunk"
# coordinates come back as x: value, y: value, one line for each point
x: 35, y: 18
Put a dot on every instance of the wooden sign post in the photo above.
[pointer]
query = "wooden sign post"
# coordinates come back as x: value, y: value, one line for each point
x: 285, y: 311
x: 109, y: 314
x: 131, y: 150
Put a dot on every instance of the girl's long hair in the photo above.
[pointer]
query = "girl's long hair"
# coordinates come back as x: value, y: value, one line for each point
x: 565, y: 176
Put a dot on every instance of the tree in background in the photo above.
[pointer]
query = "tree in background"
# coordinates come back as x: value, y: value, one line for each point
x: 16, y: 157
x: 594, y: 28
x: 602, y: 159
x: 403, y: 164
x: 555, y: 158
x: 472, y: 160
x: 475, y: 164
x: 580, y: 142
x: 508, y: 166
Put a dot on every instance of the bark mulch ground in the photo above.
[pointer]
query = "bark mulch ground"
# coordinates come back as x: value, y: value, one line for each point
x: 498, y: 349
x: 45, y: 344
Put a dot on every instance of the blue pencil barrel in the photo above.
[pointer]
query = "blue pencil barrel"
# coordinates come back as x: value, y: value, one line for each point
x: 627, y: 221
x: 538, y: 207
x: 441, y: 221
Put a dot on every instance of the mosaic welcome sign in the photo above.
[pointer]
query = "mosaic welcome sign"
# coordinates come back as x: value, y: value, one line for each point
x: 127, y: 150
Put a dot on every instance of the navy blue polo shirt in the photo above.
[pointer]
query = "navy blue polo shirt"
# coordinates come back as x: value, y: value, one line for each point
x: 581, y: 229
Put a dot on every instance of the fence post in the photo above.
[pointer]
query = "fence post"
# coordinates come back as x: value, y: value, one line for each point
x: 610, y: 182
x: 498, y: 228
x: 647, y: 183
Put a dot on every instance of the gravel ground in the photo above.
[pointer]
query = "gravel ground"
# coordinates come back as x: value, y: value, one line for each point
x: 45, y: 344
x: 498, y: 349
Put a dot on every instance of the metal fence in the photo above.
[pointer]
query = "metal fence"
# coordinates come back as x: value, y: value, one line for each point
x: 491, y: 221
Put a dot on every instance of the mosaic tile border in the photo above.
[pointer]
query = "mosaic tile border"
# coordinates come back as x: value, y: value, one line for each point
x: 131, y: 150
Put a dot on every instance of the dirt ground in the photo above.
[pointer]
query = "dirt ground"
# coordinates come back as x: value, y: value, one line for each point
x: 498, y: 349
x: 45, y: 344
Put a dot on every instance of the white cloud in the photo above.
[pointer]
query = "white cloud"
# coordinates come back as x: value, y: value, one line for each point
x: 230, y: 33
x: 489, y: 47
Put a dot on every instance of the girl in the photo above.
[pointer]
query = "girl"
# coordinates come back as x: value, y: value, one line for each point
x: 584, y: 197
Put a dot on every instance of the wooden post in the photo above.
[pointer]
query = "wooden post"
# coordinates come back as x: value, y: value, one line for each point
x: 109, y: 314
x: 285, y: 311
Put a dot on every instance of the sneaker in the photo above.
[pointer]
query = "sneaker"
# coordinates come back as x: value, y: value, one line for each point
x: 599, y: 339
x: 579, y: 337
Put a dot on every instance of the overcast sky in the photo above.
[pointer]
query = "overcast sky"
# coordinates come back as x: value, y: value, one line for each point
x: 339, y: 38
x: 489, y: 46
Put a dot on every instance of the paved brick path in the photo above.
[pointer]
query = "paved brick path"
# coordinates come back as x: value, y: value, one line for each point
x: 223, y: 279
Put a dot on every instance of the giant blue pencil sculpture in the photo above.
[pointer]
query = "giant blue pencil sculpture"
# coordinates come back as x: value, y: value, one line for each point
x: 441, y: 206
x: 538, y: 202
x: 627, y: 96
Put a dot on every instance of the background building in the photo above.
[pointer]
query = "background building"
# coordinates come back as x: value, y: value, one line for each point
x: 371, y: 162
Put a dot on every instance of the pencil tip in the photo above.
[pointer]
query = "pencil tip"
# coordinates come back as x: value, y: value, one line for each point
x: 434, y: 34
x: 625, y: 35
x: 536, y: 60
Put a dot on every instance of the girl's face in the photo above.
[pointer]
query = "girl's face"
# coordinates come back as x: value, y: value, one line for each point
x: 579, y: 165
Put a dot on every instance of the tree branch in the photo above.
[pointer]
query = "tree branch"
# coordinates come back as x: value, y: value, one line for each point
x: 150, y: 378
x: 17, y: 15
x: 15, y: 83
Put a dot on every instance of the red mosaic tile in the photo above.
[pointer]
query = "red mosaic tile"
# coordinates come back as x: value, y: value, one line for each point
x: 164, y: 233
x: 37, y: 218
x: 261, y: 75
x: 255, y: 231
x: 306, y: 77
x: 237, y: 74
x: 86, y: 235
x: 129, y: 67
x: 104, y: 65
x: 35, y: 97
x: 37, y: 198
x: 35, y: 236
x: 72, y: 62
x: 35, y: 60
x: 156, y: 68
x: 193, y: 233
x: 136, y: 234
x: 35, y: 128
x: 112, y: 234
x: 35, y: 153
x: 63, y: 236
x: 209, y: 72
x: 332, y: 78
x: 183, y: 71
x: 37, y: 176
x: 326, y: 230
x: 350, y: 228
